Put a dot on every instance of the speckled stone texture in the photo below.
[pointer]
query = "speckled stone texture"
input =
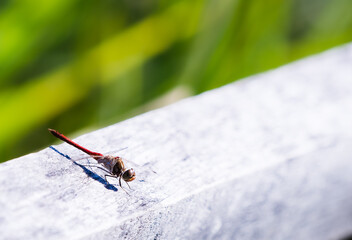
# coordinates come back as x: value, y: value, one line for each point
x: 267, y: 157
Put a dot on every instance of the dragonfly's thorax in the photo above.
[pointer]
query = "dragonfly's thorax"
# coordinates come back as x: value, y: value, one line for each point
x: 113, y: 164
x: 119, y: 167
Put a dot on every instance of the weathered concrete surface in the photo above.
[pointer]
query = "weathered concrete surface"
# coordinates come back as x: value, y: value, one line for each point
x: 269, y: 157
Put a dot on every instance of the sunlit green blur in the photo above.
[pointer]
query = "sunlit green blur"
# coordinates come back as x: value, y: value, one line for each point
x: 79, y: 65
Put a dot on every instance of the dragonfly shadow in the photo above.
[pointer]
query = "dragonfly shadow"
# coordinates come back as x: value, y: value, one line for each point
x: 88, y: 172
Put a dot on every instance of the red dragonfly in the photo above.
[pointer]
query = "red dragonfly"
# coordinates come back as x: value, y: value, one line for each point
x: 114, y: 165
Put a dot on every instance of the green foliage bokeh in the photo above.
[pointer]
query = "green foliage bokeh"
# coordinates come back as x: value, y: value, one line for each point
x: 74, y: 64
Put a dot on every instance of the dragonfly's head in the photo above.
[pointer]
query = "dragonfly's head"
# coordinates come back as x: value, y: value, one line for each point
x: 129, y: 175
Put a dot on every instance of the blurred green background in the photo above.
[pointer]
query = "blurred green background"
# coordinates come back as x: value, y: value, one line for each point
x: 79, y: 65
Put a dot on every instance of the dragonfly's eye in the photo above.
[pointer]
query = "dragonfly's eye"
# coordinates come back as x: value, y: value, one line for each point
x: 129, y: 175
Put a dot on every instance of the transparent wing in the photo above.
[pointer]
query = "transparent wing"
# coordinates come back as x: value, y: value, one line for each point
x: 85, y: 156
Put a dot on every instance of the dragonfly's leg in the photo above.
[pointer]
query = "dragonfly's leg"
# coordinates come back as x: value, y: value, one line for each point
x: 128, y: 185
x: 125, y: 191
x: 121, y: 185
x: 107, y: 175
x: 97, y: 166
x: 103, y: 169
x: 120, y: 181
x: 93, y: 165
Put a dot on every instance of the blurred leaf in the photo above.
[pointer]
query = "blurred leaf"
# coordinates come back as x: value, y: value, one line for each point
x: 43, y: 98
x: 77, y: 64
x: 23, y: 25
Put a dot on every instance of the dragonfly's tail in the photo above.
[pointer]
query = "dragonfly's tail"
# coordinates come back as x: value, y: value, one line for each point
x: 69, y: 141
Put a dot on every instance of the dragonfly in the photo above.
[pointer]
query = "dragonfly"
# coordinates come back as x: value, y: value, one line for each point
x: 114, y: 165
